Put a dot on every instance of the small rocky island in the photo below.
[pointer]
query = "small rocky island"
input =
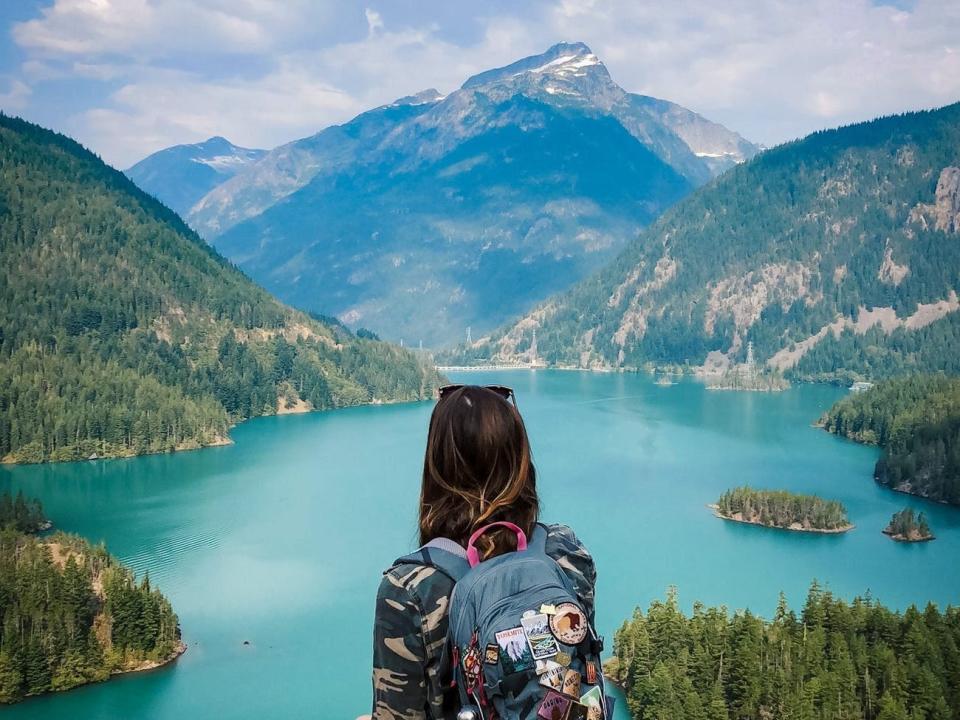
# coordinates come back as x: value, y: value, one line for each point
x: 907, y: 526
x: 748, y: 376
x: 783, y: 510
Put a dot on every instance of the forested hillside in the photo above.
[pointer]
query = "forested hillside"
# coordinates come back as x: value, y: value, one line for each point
x: 916, y: 420
x: 837, y: 256
x: 831, y: 661
x: 122, y: 332
x: 72, y: 615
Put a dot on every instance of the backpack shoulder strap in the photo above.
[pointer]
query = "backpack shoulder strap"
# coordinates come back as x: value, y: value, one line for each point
x: 537, y: 542
x: 450, y: 564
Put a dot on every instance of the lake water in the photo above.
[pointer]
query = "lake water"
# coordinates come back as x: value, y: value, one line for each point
x: 280, y: 539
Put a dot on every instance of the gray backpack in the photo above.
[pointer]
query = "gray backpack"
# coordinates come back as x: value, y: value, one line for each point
x: 520, y: 644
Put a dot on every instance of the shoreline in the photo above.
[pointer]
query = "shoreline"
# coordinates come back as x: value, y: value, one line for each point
x: 148, y: 665
x: 900, y: 538
x: 143, y: 666
x: 218, y: 442
x: 825, y: 531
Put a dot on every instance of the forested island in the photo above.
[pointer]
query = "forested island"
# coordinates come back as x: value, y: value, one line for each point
x: 122, y: 332
x: 782, y: 509
x: 70, y: 614
x: 833, y: 660
x: 752, y: 381
x: 916, y: 420
x: 907, y: 526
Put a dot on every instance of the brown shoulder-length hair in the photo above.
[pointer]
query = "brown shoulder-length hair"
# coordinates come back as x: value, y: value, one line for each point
x: 477, y: 470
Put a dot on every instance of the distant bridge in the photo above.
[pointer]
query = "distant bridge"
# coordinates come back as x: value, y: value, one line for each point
x: 469, y: 368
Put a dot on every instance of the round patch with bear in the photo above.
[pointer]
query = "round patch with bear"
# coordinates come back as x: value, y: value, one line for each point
x: 569, y: 624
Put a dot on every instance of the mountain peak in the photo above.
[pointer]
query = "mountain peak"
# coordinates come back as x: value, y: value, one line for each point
x: 423, y: 97
x: 576, y: 48
x: 182, y: 174
x: 562, y: 59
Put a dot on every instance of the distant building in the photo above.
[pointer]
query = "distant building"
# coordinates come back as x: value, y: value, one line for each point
x: 860, y: 386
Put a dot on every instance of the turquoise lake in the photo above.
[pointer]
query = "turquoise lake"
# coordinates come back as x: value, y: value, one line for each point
x: 280, y: 539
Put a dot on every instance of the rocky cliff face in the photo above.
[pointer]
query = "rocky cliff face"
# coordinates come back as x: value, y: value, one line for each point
x: 947, y: 206
x: 944, y: 212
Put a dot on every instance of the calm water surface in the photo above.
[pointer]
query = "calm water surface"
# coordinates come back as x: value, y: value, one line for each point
x: 280, y: 539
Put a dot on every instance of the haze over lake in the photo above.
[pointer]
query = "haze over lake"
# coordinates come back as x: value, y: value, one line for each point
x: 280, y: 539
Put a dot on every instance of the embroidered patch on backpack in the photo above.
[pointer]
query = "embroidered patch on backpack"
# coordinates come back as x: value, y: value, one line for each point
x: 571, y: 683
x: 514, y: 650
x: 569, y: 624
x: 554, y: 706
x: 537, y: 629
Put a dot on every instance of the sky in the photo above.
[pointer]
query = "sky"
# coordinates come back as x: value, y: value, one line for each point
x: 129, y: 77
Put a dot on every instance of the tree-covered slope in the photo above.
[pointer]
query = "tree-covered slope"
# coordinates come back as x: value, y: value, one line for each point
x: 831, y: 660
x: 72, y: 615
x: 122, y: 332
x: 837, y: 256
x: 916, y: 420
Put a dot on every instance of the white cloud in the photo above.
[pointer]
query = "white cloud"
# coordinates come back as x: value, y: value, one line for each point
x: 263, y: 72
x: 15, y: 96
x: 777, y: 70
x: 166, y: 108
x: 162, y: 29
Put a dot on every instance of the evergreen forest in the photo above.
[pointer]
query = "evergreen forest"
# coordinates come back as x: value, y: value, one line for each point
x: 909, y: 526
x: 916, y: 420
x: 782, y: 509
x: 833, y: 660
x: 18, y: 513
x: 122, y: 332
x: 71, y: 615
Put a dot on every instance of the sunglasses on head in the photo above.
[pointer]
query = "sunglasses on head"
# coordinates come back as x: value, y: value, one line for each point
x: 502, y: 390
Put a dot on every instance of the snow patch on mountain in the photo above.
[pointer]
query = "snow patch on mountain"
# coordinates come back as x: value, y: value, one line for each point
x: 226, y: 163
x: 567, y: 64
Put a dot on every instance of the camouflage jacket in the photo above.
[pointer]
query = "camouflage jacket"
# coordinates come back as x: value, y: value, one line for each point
x: 410, y: 630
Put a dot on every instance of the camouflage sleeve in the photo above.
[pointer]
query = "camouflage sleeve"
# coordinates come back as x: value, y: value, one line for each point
x: 399, y: 650
x: 565, y: 547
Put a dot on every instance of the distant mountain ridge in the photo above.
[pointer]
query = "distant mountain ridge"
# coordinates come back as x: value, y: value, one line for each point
x: 179, y: 176
x: 836, y: 256
x: 123, y: 333
x: 436, y: 212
